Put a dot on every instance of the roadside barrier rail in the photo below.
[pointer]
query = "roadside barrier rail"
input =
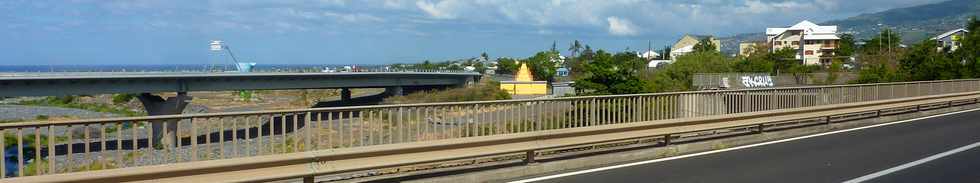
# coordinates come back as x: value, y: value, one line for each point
x: 306, y: 135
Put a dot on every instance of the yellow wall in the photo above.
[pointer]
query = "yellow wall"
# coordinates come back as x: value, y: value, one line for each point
x: 525, y: 88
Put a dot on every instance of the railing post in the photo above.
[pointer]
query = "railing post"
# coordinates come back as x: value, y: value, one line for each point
x: 308, y: 179
x: 667, y: 140
x: 761, y: 128
x: 529, y: 157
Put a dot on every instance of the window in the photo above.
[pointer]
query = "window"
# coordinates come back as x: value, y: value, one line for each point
x: 796, y: 43
x: 809, y: 52
x: 810, y: 42
x: 778, y: 43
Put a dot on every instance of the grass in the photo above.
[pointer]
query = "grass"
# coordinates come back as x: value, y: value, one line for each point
x: 69, y: 102
x: 31, y: 168
x: 485, y: 90
x: 10, y: 140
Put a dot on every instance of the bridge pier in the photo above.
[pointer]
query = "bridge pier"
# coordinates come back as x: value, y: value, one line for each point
x: 345, y: 94
x: 156, y: 105
x: 394, y: 91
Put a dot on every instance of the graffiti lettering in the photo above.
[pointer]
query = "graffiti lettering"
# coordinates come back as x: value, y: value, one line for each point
x: 757, y: 81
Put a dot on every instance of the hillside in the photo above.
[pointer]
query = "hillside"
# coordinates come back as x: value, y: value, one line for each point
x: 914, y: 23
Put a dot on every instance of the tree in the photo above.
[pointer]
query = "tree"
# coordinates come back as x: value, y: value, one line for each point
x: 542, y: 66
x: 678, y: 76
x: 760, y: 60
x: 876, y: 74
x: 969, y: 50
x: 833, y: 72
x: 924, y: 63
x: 577, y: 65
x: 705, y: 45
x: 575, y: 47
x: 666, y: 53
x: 554, y: 46
x: 845, y: 46
x: 485, y: 56
x: 878, y: 58
x: 783, y: 59
x: 612, y: 74
x: 506, y: 66
x: 886, y: 41
x: 587, y: 54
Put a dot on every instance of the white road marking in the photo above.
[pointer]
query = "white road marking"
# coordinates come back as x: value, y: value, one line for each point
x: 911, y: 164
x: 729, y: 149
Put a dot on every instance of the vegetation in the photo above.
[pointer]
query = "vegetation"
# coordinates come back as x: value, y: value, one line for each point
x: 612, y: 74
x: 122, y: 98
x: 485, y: 90
x: 543, y: 65
x: 705, y: 45
x: 625, y: 73
x: 888, y: 62
x: 71, y: 102
x: 506, y: 66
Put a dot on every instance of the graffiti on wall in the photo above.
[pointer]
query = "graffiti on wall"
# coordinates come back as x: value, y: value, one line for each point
x: 757, y: 81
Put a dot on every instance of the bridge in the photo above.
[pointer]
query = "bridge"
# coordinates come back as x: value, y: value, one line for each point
x: 512, y: 138
x: 112, y: 83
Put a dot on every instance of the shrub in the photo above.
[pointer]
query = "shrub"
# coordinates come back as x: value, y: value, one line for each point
x: 485, y: 90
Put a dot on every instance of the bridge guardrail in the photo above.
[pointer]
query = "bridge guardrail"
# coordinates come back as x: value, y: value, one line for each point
x: 47, y: 148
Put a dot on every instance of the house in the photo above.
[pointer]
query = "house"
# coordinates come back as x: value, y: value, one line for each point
x: 814, y: 44
x: 747, y: 48
x: 950, y: 39
x: 649, y: 55
x: 562, y: 72
x: 658, y: 63
x: 686, y: 44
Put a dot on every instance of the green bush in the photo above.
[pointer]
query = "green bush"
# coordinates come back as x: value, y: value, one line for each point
x: 485, y: 90
x: 122, y: 98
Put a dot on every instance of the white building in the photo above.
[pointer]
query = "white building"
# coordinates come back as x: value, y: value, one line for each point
x: 814, y: 43
x: 649, y: 55
x: 950, y: 39
x: 686, y: 44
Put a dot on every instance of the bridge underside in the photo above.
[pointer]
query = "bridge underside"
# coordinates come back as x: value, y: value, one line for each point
x: 61, y: 86
x: 145, y: 85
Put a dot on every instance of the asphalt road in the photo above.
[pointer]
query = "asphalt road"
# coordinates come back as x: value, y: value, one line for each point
x: 835, y: 157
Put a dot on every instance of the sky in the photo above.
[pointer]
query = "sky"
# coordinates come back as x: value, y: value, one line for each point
x: 93, y: 32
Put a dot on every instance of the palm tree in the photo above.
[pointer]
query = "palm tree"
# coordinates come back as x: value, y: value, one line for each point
x: 574, y: 48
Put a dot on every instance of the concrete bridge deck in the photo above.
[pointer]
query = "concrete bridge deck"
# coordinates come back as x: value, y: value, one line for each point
x: 86, y: 84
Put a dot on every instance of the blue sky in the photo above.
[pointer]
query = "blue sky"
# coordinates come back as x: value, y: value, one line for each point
x: 81, y: 32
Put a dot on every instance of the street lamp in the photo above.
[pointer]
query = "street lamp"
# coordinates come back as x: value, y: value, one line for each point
x: 217, y: 45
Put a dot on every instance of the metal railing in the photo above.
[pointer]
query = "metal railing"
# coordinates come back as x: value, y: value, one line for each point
x: 38, y: 148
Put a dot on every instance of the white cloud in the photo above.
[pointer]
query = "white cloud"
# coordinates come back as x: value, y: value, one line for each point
x: 354, y: 18
x: 621, y: 27
x: 440, y: 10
x: 394, y: 4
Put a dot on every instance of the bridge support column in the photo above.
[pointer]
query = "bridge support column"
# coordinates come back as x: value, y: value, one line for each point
x: 469, y: 81
x: 156, y: 105
x: 345, y: 94
x: 394, y: 91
